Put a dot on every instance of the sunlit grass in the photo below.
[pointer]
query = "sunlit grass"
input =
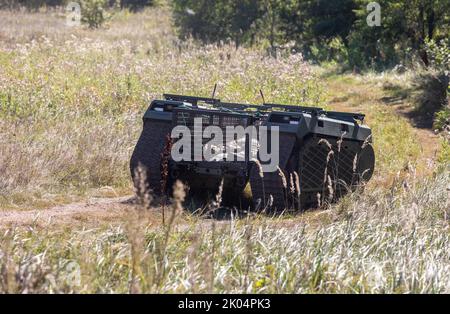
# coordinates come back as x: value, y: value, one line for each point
x: 393, y: 241
x: 71, y: 102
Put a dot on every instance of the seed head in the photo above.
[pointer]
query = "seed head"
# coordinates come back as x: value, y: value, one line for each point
x: 260, y: 170
x: 283, y: 177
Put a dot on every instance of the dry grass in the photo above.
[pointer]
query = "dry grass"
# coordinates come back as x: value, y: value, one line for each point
x: 398, y: 142
x: 384, y: 242
x: 70, y: 108
x: 72, y: 99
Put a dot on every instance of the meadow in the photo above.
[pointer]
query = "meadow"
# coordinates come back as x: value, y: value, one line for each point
x: 71, y: 101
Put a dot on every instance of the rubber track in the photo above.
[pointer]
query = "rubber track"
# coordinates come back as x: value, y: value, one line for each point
x: 148, y: 153
x: 312, y: 163
x: 272, y: 181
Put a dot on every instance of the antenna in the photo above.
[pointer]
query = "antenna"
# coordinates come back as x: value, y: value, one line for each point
x: 262, y: 96
x: 214, y: 91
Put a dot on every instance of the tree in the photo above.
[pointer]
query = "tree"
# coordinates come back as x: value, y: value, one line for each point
x: 322, y: 30
x: 315, y: 24
x: 213, y: 21
x: 135, y: 5
x: 404, y: 31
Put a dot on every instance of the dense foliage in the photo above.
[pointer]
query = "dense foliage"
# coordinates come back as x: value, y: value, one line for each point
x: 322, y: 30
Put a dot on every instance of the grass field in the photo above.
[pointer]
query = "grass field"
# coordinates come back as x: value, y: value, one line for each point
x: 71, y: 101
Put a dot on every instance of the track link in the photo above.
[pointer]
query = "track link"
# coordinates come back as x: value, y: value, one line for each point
x: 147, y: 154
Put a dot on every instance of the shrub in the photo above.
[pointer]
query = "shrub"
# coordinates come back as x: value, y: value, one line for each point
x: 432, y: 92
x: 439, y: 57
x: 439, y: 54
x: 214, y: 21
x: 442, y: 119
x: 444, y: 153
x: 94, y: 12
x: 135, y: 5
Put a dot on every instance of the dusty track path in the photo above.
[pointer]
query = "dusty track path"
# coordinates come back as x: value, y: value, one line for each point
x: 91, y: 211
x: 359, y: 96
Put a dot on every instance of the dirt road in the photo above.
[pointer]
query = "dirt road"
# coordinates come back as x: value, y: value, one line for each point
x: 357, y: 96
x: 91, y: 211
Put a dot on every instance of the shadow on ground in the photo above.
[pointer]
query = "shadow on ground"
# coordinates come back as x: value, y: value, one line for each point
x: 426, y: 96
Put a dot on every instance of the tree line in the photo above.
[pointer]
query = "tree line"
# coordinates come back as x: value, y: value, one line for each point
x: 322, y: 30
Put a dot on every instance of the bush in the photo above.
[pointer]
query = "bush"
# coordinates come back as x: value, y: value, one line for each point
x: 439, y: 58
x: 214, y: 21
x: 439, y: 54
x: 444, y: 153
x: 135, y: 5
x: 442, y: 119
x: 93, y: 12
x: 432, y: 92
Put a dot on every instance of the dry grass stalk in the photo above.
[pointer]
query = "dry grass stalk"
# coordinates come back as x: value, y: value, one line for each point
x: 248, y: 250
x: 135, y: 228
x: 211, y: 258
x: 270, y: 201
x: 135, y: 235
x: 330, y: 189
x: 355, y: 163
x: 285, y: 186
x: 329, y: 155
x: 219, y: 194
x: 165, y: 157
x: 291, y: 184
x: 179, y: 195
x: 141, y: 188
x: 292, y: 187
x: 260, y: 169
x: 297, y: 188
x: 325, y: 172
x: 192, y: 257
x: 261, y: 175
x: 324, y: 141
x: 367, y: 141
x: 318, y: 200
x: 339, y: 142
x: 283, y: 177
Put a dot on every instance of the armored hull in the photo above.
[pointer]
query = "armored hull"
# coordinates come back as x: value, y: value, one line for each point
x: 321, y: 155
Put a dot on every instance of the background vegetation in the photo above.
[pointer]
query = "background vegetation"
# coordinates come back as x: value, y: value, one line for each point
x: 322, y: 30
x: 411, y: 33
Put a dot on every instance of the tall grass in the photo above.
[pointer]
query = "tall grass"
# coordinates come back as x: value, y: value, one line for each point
x: 71, y: 100
x: 393, y: 241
